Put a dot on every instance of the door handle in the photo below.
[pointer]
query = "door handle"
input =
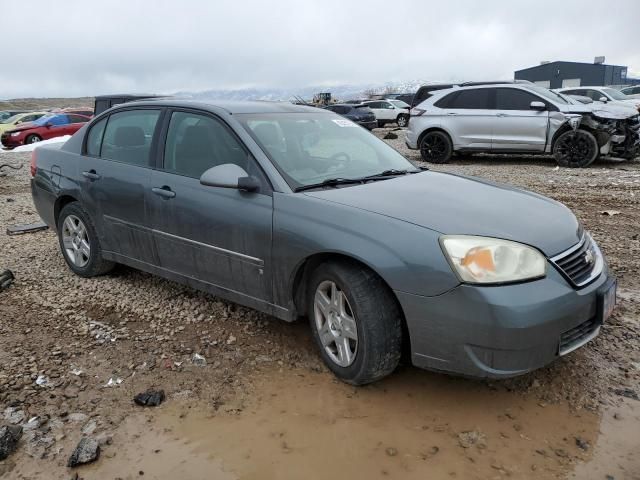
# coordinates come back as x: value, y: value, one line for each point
x: 164, y: 192
x: 502, y: 115
x: 91, y: 175
x: 451, y: 113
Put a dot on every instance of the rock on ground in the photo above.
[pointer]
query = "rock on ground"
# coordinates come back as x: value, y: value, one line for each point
x: 9, y: 438
x: 87, y: 451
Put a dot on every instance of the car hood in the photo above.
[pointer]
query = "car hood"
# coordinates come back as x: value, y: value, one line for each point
x: 603, y: 110
x: 23, y: 126
x: 452, y: 204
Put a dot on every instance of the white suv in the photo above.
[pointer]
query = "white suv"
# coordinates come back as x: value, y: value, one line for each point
x: 524, y: 118
x: 389, y: 111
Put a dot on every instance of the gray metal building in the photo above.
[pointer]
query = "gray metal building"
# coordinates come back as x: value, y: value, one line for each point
x: 574, y: 74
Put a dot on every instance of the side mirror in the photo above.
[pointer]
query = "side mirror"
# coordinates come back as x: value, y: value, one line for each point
x: 603, y: 99
x: 539, y: 106
x: 48, y: 125
x: 229, y: 175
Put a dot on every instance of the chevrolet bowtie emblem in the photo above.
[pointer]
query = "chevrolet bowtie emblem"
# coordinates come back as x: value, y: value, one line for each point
x: 588, y: 257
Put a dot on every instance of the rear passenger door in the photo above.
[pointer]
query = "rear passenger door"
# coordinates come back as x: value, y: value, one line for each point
x: 218, y: 236
x: 115, y: 173
x: 469, y: 116
x: 517, y: 126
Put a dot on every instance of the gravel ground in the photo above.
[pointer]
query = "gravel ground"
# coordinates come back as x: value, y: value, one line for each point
x: 64, y: 339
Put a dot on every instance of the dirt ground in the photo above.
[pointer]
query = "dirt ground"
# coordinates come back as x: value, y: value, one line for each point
x: 74, y: 352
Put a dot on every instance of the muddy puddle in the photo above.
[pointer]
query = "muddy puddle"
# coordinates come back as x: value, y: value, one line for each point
x: 414, y: 425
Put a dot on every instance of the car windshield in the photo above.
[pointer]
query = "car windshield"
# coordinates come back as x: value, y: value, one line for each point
x: 399, y: 103
x: 44, y: 119
x: 11, y: 119
x: 312, y: 148
x: 549, y: 94
x: 615, y: 94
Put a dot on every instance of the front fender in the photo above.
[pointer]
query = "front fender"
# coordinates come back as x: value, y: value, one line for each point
x: 408, y: 257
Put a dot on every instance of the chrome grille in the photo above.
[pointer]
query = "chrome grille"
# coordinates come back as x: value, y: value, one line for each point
x: 581, y: 263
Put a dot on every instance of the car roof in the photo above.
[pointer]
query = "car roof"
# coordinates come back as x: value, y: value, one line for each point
x: 231, y: 106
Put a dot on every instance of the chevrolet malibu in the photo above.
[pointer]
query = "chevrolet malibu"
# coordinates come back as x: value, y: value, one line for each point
x: 297, y: 212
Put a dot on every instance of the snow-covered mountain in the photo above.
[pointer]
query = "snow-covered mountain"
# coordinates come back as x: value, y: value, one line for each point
x: 341, y: 92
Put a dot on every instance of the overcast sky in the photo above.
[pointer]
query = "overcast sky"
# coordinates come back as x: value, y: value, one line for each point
x: 89, y: 47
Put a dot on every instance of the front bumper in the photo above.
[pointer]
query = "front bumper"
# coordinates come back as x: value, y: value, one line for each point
x: 500, y: 331
x: 8, y: 141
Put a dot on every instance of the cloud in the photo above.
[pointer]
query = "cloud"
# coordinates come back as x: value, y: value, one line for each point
x: 76, y: 47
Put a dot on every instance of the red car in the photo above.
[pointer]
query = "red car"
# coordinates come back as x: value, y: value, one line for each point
x: 49, y: 126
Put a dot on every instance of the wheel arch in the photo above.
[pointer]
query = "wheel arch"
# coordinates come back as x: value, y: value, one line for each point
x: 435, y: 129
x: 61, y: 202
x: 299, y: 286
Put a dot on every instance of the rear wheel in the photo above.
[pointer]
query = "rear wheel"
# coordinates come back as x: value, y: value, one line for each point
x: 355, y: 321
x: 575, y: 148
x: 403, y: 120
x: 33, y: 139
x: 436, y: 147
x: 79, y: 242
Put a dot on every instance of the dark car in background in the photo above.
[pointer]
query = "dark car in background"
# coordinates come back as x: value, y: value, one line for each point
x: 44, y: 128
x: 360, y: 114
x: 105, y: 102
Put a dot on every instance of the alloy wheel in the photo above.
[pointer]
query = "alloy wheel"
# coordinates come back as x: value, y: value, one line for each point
x: 76, y: 241
x: 575, y: 148
x: 433, y: 147
x: 335, y: 323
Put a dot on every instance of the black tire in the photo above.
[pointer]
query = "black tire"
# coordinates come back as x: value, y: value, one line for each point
x: 377, y: 317
x: 95, y: 265
x: 575, y: 149
x: 402, y: 120
x: 33, y: 138
x: 436, y: 147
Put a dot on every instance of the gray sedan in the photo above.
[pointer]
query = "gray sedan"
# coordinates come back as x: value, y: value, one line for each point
x: 299, y: 212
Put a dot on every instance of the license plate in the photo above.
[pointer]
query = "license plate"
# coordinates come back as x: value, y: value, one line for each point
x: 607, y: 301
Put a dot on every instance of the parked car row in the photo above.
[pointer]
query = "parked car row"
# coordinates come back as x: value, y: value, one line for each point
x: 511, y: 117
x: 23, y: 128
x: 373, y: 113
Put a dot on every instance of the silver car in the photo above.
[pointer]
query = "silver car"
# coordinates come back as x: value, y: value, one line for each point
x: 505, y: 118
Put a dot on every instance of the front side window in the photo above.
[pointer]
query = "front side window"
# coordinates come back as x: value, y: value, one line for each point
x: 514, y: 99
x: 196, y: 143
x: 128, y: 136
x: 310, y: 148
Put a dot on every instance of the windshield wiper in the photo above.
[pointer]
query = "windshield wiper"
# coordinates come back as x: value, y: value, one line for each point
x: 391, y: 173
x: 330, y: 182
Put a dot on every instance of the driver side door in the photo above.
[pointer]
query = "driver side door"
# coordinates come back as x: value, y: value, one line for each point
x: 220, y: 237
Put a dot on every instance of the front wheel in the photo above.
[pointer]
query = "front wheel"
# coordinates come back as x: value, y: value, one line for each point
x: 576, y: 148
x: 355, y: 321
x: 33, y: 139
x: 436, y: 147
x: 79, y: 242
x: 402, y: 120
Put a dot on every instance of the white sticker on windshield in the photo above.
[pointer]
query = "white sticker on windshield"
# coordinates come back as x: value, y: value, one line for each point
x: 344, y: 123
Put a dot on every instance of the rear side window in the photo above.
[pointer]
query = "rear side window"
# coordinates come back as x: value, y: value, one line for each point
x: 195, y: 143
x: 514, y: 99
x: 94, y: 138
x: 128, y: 136
x: 474, y: 99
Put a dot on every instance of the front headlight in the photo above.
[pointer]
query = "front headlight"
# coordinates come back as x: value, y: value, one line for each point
x: 492, y: 260
x: 15, y: 134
